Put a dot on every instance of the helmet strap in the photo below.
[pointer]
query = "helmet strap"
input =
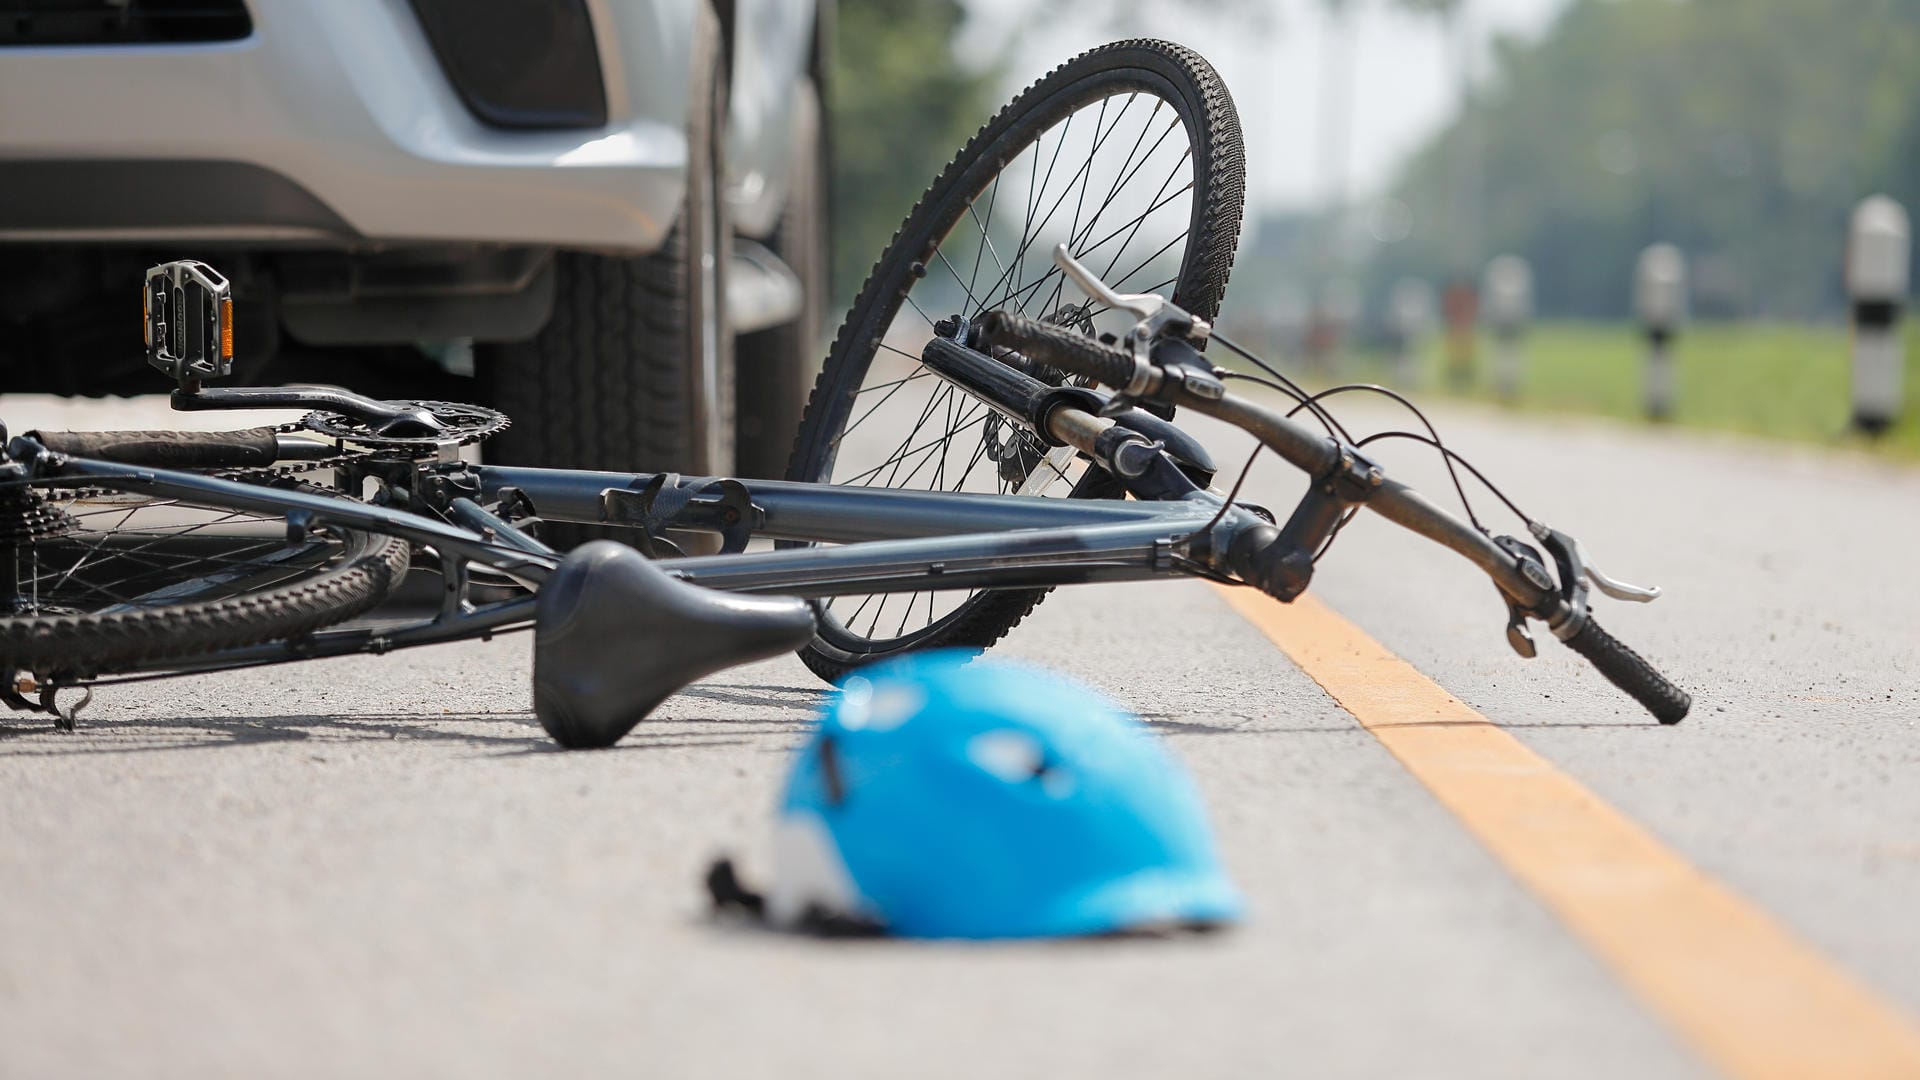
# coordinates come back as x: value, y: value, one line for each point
x: 731, y: 897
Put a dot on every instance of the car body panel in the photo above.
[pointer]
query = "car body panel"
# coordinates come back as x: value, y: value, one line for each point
x: 346, y: 100
x: 773, y: 48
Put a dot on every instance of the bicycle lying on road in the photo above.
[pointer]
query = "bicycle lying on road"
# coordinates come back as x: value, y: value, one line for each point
x: 1039, y: 450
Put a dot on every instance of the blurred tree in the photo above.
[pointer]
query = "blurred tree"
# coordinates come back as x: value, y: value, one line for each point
x: 902, y: 104
x: 1742, y: 130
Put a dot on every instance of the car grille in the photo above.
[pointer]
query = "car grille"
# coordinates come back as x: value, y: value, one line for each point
x: 121, y: 22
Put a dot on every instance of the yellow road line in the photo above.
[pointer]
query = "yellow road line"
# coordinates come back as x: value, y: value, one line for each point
x: 1742, y: 989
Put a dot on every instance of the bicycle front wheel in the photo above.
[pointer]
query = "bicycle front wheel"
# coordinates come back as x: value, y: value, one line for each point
x: 1129, y: 154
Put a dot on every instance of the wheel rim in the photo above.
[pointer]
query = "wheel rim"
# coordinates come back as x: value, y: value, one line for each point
x: 1110, y: 171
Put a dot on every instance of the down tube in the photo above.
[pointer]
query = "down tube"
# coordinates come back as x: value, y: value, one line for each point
x: 1130, y: 552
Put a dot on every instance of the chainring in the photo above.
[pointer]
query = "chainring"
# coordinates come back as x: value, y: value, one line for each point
x: 465, y: 425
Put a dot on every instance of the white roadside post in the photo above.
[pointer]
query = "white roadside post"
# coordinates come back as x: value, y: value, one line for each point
x: 1879, y: 247
x: 1410, y: 310
x: 1660, y: 302
x: 1508, y: 292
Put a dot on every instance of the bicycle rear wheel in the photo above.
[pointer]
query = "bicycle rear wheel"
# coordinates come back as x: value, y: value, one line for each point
x: 1129, y: 154
x: 93, y: 581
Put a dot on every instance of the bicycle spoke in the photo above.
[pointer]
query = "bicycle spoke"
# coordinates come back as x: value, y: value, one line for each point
x: 1082, y: 250
x: 901, y: 630
x: 1121, y: 181
x: 925, y: 453
x: 914, y: 429
x: 1084, y: 170
x: 988, y: 240
x: 121, y: 554
x: 922, y: 373
x: 992, y: 198
x: 1159, y: 201
x: 900, y: 457
x: 231, y: 517
x: 883, y: 400
x: 943, y: 443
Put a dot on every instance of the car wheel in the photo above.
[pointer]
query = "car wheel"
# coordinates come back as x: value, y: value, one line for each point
x: 777, y: 366
x: 634, y: 371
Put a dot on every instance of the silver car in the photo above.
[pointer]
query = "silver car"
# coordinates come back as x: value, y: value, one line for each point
x: 610, y: 212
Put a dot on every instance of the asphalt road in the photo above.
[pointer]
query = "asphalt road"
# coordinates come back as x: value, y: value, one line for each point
x: 379, y: 866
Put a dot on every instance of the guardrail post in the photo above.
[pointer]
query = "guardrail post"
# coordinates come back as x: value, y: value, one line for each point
x: 1509, y: 298
x: 1660, y: 302
x: 1460, y: 304
x: 1334, y: 317
x: 1879, y: 248
x: 1410, y: 311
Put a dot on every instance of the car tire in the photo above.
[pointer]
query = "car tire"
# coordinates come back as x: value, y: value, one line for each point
x: 634, y: 371
x: 777, y: 366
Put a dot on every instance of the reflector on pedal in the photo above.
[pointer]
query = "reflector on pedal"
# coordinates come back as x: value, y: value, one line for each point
x: 188, y: 309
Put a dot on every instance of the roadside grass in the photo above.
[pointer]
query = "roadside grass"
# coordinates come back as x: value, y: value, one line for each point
x: 1772, y: 380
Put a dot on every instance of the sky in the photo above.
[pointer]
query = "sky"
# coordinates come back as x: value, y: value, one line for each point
x: 1402, y: 83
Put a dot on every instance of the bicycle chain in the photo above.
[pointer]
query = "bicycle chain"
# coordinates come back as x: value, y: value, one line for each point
x: 252, y: 474
x: 268, y: 473
x: 387, y: 450
x: 376, y: 448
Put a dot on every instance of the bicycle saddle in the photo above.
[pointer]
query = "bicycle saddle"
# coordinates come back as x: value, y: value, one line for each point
x: 614, y: 635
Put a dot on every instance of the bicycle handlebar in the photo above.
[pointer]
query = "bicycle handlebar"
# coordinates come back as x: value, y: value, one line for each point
x: 1320, y: 456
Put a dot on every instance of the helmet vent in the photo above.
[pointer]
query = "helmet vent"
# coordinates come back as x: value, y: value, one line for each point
x: 863, y: 707
x: 1013, y: 756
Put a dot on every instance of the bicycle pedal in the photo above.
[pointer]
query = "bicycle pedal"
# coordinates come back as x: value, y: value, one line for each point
x: 188, y: 310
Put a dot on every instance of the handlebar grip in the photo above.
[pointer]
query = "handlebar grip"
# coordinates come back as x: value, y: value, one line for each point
x: 1626, y: 669
x: 1064, y: 348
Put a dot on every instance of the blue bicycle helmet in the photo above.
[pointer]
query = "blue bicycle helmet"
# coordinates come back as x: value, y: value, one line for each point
x: 938, y: 799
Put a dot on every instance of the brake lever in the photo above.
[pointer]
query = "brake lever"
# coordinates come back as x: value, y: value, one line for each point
x: 1583, y: 568
x: 1156, y: 313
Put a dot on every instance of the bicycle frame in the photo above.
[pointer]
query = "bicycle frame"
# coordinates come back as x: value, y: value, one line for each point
x: 892, y: 541
x: 889, y: 541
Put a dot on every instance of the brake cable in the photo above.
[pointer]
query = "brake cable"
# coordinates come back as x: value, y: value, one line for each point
x: 1449, y: 457
x: 1279, y: 381
x: 1450, y: 454
x: 1286, y: 386
x: 1459, y: 489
